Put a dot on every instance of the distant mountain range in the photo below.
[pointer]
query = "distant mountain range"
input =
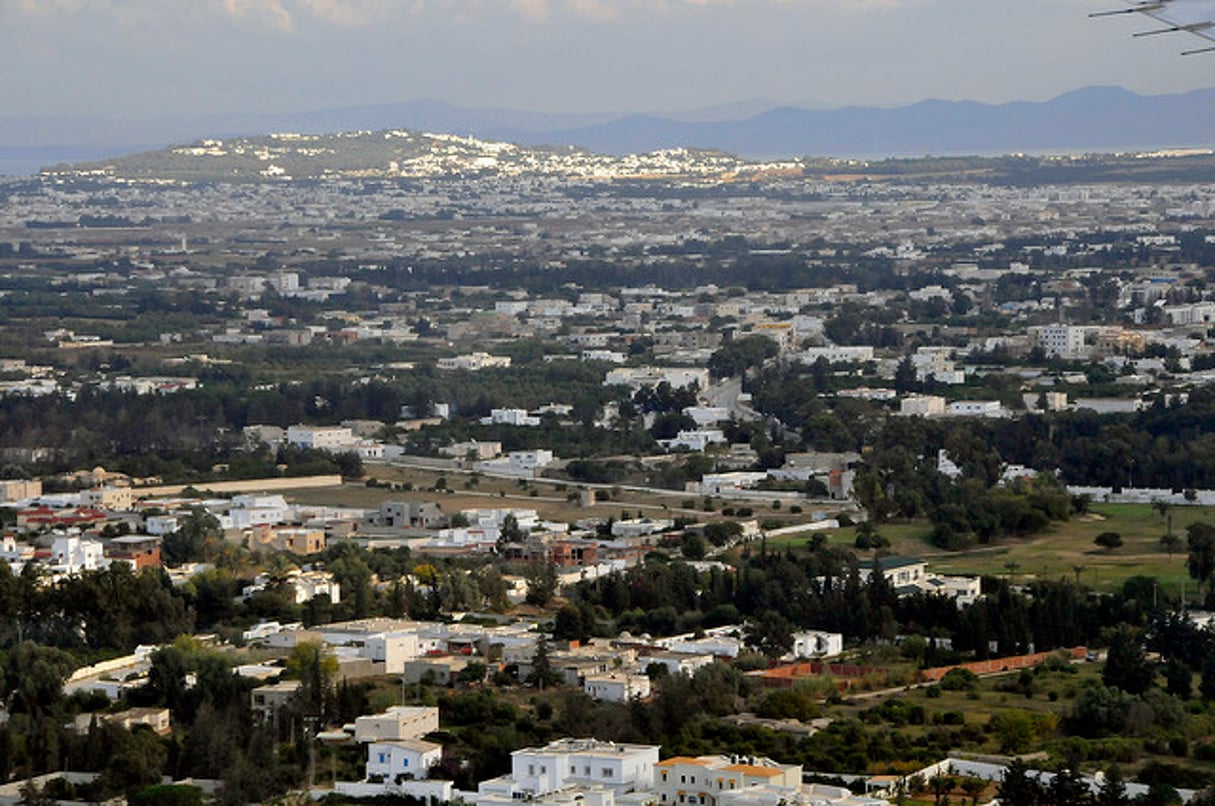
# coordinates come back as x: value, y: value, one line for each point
x: 1091, y: 119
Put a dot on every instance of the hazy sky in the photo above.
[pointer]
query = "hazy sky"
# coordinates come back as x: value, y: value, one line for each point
x: 137, y: 58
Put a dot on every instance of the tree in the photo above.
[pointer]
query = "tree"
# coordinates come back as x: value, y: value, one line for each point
x: 1179, y: 680
x: 1170, y: 542
x: 542, y: 674
x: 1067, y: 788
x: 1014, y: 729
x: 941, y: 785
x: 314, y: 666
x: 196, y: 539
x: 1019, y: 787
x: 771, y: 634
x: 736, y: 357
x: 569, y: 625
x: 1126, y: 665
x: 541, y: 583
x: 1108, y: 540
x: 167, y: 679
x: 1200, y: 543
x: 1113, y: 789
x: 905, y: 377
x: 1165, y: 509
x: 1206, y: 684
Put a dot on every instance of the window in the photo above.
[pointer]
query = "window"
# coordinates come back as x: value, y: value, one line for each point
x: 383, y: 758
x: 607, y: 772
x: 405, y: 762
x: 573, y: 769
x: 664, y: 776
x: 683, y: 779
x: 531, y: 769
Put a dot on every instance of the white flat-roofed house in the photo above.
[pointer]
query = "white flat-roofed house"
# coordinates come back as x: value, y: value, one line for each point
x: 609, y: 356
x: 321, y: 437
x: 516, y: 464
x: 640, y: 527
x: 71, y: 554
x: 1108, y: 405
x: 640, y: 377
x: 1065, y: 341
x: 712, y: 780
x: 836, y: 355
x: 697, y: 440
x: 718, y: 646
x: 679, y: 662
x: 707, y: 415
x: 975, y: 408
x: 391, y: 759
x: 393, y: 648
x: 537, y: 771
x: 616, y: 686
x: 817, y: 644
x: 398, y: 723
x: 518, y: 417
x: 161, y: 525
x: 474, y: 362
x: 477, y: 451
x: 922, y: 406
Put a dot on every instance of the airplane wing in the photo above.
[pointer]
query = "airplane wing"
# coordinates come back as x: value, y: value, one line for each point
x: 1195, y: 17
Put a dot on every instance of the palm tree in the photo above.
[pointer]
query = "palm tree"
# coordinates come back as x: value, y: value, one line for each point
x: 1165, y: 510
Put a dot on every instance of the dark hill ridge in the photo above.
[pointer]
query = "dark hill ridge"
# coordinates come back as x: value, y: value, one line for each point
x: 1092, y: 119
x: 1099, y: 118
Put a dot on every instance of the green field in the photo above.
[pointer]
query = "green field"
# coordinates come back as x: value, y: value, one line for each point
x: 1064, y: 550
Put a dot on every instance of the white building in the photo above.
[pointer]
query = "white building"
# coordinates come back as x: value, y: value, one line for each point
x: 393, y: 759
x: 321, y: 437
x: 1065, y: 341
x: 922, y: 406
x: 726, y: 483
x: 161, y: 525
x: 477, y: 451
x: 616, y: 686
x: 566, y: 763
x: 255, y: 510
x: 817, y: 644
x: 712, y: 780
x: 640, y: 377
x: 610, y: 356
x: 510, y: 417
x: 71, y: 554
x: 975, y: 408
x: 474, y: 362
x: 836, y: 355
x: 640, y: 527
x: 708, y: 415
x: 398, y: 723
x: 1108, y: 405
x: 695, y: 440
x: 516, y: 464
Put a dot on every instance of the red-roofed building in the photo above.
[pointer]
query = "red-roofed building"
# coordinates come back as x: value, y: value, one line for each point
x: 43, y: 516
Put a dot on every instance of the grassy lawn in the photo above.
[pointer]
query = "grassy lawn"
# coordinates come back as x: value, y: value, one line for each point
x: 1067, y: 550
x: 1064, y: 550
